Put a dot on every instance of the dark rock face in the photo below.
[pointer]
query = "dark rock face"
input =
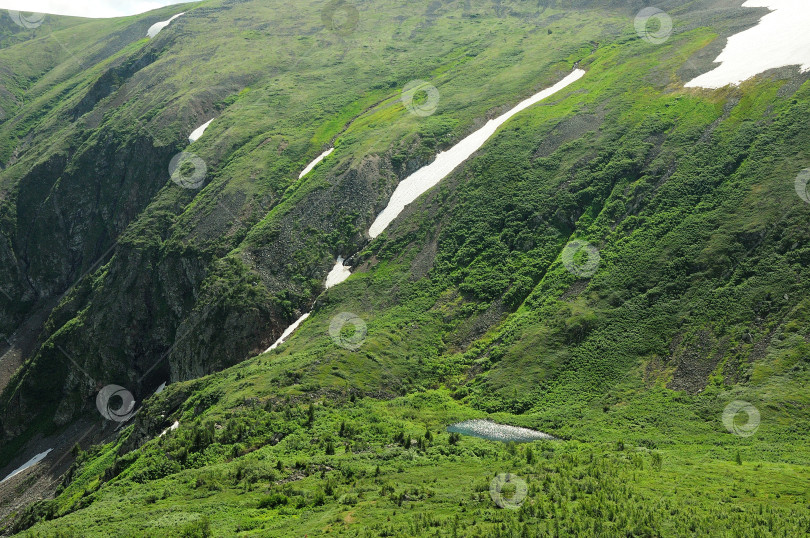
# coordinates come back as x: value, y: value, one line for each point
x: 166, y: 315
x: 328, y: 222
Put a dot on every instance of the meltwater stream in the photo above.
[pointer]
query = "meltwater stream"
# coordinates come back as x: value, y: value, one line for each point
x: 413, y: 186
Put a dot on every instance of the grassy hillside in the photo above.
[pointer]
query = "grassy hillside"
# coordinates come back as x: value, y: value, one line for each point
x: 473, y: 305
x: 176, y: 250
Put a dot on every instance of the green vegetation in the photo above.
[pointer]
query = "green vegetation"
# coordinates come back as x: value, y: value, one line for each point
x: 698, y: 299
x: 261, y: 469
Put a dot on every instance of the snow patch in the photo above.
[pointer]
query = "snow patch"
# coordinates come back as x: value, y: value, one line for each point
x: 288, y: 332
x: 780, y: 39
x: 30, y: 463
x: 198, y: 132
x: 158, y: 26
x: 423, y: 179
x: 315, y: 163
x: 338, y: 274
x: 170, y: 428
x: 413, y: 186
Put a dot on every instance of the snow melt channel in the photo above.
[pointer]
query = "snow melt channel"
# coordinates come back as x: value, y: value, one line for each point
x: 780, y: 39
x: 158, y: 26
x: 338, y: 274
x: 413, y: 186
x: 30, y: 463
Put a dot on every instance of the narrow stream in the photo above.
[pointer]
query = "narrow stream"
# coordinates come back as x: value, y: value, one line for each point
x: 413, y: 186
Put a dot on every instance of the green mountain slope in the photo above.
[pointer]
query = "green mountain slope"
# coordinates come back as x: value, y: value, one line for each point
x: 472, y: 305
x: 253, y: 216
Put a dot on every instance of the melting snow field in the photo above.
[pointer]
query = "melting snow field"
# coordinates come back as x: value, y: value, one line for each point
x: 493, y: 431
x: 170, y: 428
x: 423, y: 179
x: 288, y: 332
x: 338, y: 274
x: 30, y: 463
x: 158, y: 26
x: 198, y: 132
x: 780, y: 39
x: 314, y: 163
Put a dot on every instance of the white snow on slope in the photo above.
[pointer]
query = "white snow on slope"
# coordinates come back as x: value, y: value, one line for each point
x: 314, y: 163
x: 30, y: 463
x: 170, y: 428
x: 413, y: 186
x: 423, y: 179
x: 158, y: 26
x: 198, y: 132
x: 338, y: 274
x: 780, y: 39
x: 288, y: 332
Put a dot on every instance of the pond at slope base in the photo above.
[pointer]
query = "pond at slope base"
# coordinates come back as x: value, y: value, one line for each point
x: 486, y: 429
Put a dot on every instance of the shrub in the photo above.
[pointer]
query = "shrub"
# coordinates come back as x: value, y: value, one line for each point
x: 274, y: 500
